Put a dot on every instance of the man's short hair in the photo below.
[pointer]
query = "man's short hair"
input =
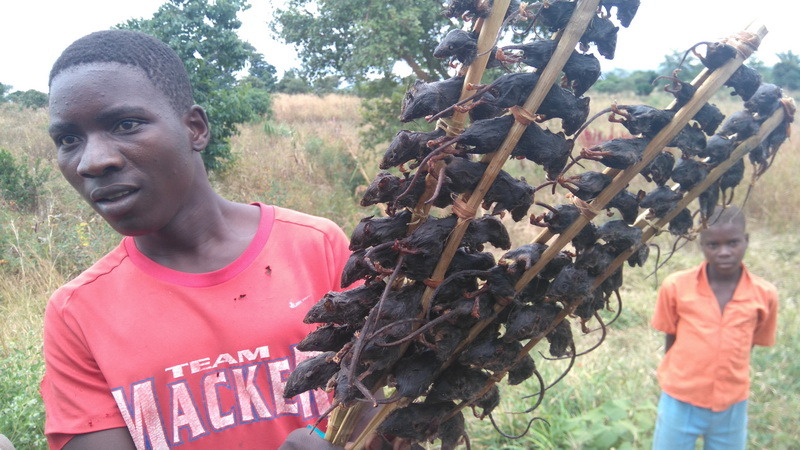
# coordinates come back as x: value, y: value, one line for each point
x: 159, y: 62
x: 729, y: 214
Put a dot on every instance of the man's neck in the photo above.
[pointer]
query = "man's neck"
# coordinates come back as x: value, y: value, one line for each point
x: 214, y: 241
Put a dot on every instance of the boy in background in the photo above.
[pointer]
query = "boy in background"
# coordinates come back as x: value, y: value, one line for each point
x: 712, y: 315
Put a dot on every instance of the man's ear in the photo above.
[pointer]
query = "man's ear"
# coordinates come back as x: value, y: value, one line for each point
x: 199, y: 130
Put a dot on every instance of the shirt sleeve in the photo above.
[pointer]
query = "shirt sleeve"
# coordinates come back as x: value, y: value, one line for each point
x: 764, y: 334
x: 665, y: 317
x: 76, y: 396
x: 338, y: 254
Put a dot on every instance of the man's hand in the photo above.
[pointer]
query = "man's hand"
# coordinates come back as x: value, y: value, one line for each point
x: 304, y: 439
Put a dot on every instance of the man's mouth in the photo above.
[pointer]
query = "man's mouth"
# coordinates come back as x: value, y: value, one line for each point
x: 112, y: 193
x: 112, y: 197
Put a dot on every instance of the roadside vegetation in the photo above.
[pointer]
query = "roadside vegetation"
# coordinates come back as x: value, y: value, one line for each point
x: 307, y: 156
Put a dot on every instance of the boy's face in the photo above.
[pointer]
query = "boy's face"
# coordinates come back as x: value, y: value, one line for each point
x: 123, y: 147
x: 724, y: 246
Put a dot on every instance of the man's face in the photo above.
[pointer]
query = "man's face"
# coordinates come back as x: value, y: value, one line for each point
x: 724, y: 246
x: 123, y: 147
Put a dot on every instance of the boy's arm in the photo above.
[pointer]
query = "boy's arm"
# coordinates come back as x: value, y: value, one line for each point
x: 665, y: 315
x: 766, y: 328
x: 670, y: 339
x: 116, y: 438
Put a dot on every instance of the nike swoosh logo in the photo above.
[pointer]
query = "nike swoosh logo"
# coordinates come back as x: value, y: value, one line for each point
x: 294, y: 305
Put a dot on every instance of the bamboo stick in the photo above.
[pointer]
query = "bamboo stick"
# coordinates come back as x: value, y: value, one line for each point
x: 490, y: 27
x: 569, y: 39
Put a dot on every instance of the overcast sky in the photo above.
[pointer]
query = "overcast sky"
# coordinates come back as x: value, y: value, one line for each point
x: 34, y: 32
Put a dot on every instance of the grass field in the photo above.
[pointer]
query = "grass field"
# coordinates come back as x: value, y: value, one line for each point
x: 308, y: 158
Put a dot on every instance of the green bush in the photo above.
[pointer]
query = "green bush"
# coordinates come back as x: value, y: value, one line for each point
x: 21, y: 407
x: 20, y: 185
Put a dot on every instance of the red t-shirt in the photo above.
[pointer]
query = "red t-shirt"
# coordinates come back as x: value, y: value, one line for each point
x: 709, y: 363
x: 196, y: 360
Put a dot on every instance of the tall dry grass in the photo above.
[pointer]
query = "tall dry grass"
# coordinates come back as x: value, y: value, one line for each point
x: 306, y: 158
x: 24, y: 132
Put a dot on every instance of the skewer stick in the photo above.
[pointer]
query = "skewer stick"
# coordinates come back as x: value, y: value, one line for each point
x: 488, y: 34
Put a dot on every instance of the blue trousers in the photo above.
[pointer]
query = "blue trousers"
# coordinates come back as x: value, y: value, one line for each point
x: 679, y: 425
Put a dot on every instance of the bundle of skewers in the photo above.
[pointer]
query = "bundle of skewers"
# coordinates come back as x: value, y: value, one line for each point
x: 437, y: 320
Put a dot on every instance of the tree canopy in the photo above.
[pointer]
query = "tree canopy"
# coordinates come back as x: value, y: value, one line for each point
x: 27, y: 99
x: 360, y: 38
x: 786, y: 72
x: 203, y: 33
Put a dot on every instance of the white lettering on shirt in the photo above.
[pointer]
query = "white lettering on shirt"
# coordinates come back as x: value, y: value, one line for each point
x: 184, y: 413
x: 275, y: 373
x: 177, y: 371
x: 224, y: 358
x: 258, y: 353
x: 251, y: 401
x: 247, y: 392
x: 142, y: 415
x: 211, y: 384
x: 199, y: 365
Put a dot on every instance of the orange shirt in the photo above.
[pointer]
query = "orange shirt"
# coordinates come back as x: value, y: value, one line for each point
x: 709, y: 363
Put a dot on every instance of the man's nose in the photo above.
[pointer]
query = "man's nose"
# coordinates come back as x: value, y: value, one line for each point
x: 99, y: 157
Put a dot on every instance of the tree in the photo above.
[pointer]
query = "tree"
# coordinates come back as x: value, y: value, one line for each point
x: 786, y: 72
x: 362, y: 41
x: 690, y: 66
x: 261, y: 73
x: 754, y: 63
x: 357, y: 39
x: 641, y: 81
x: 618, y: 80
x: 4, y: 89
x: 203, y: 33
x: 293, y: 83
x: 326, y: 85
x: 28, y: 99
x: 613, y: 82
x: 380, y: 108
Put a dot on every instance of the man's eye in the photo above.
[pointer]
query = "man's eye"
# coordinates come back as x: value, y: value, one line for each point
x: 127, y: 125
x: 67, y: 140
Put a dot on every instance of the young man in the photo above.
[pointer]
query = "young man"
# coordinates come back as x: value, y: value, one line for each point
x: 712, y: 316
x: 184, y: 334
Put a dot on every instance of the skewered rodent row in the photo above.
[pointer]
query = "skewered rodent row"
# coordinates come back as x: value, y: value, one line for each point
x: 438, y: 319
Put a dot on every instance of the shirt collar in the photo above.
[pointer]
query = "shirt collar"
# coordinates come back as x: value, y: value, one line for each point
x: 744, y: 289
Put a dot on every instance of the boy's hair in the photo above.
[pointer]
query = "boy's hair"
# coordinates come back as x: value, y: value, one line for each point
x: 159, y: 62
x: 730, y: 214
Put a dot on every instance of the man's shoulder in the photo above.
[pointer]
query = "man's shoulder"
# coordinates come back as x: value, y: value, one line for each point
x: 292, y: 218
x: 104, y: 267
